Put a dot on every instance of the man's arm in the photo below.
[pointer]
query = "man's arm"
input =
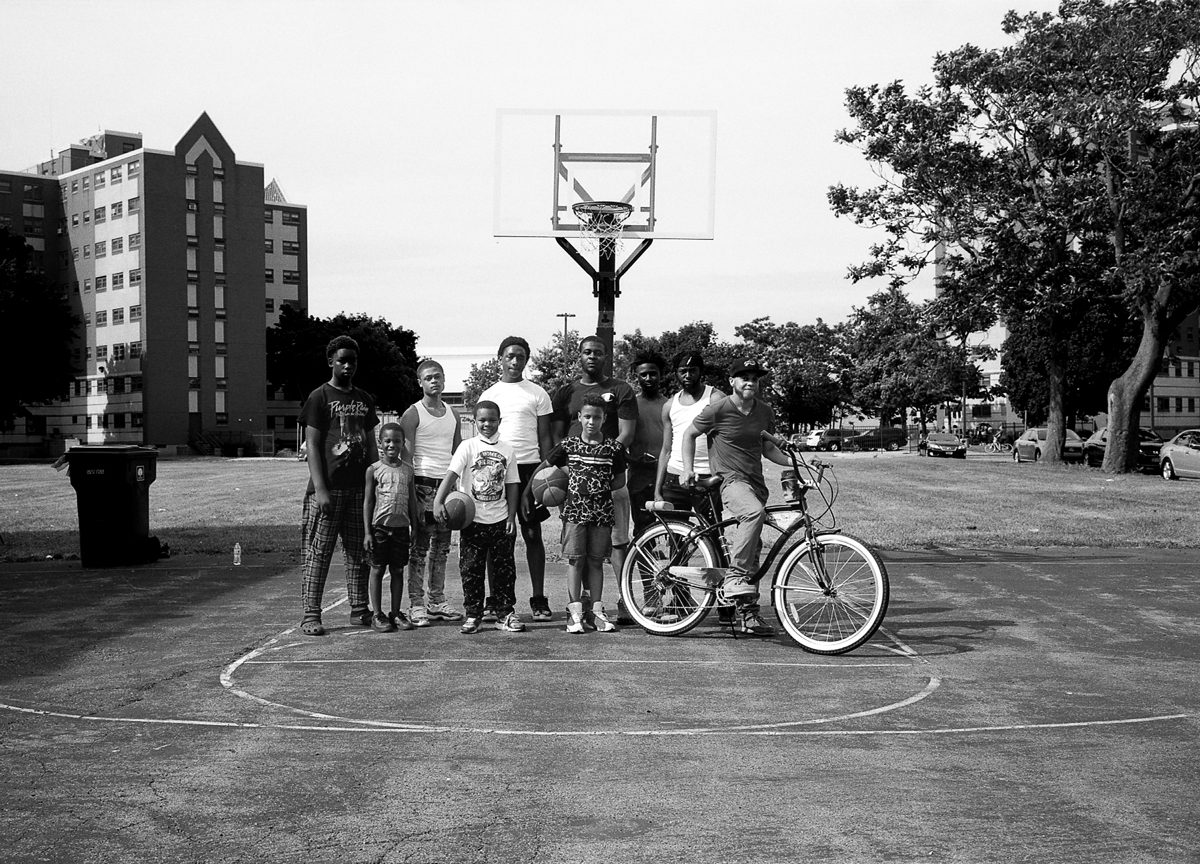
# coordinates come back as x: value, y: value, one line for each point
x: 409, y: 421
x: 626, y: 429
x: 773, y: 453
x: 368, y: 507
x: 439, y: 498
x: 664, y: 454
x: 512, y: 493
x: 314, y: 438
x: 690, y: 434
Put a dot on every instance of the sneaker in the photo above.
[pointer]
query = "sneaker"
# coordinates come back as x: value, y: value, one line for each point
x: 752, y: 625
x: 575, y: 618
x: 419, y: 616
x: 510, y: 623
x: 380, y: 623
x: 471, y: 625
x: 540, y: 607
x: 739, y: 586
x: 401, y: 621
x: 623, y: 616
x: 361, y: 618
x: 601, y: 621
x: 489, y: 611
x: 442, y: 612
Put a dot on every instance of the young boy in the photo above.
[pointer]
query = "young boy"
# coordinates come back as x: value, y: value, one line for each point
x: 487, y: 467
x: 431, y: 435
x: 389, y: 511
x: 338, y: 418
x: 597, y: 466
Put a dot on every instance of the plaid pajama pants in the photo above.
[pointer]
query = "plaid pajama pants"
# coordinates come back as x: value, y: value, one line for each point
x: 320, y: 537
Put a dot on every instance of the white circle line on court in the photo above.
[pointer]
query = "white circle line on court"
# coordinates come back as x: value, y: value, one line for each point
x: 297, y: 727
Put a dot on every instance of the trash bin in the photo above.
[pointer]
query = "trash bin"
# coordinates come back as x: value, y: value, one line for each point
x: 112, y: 490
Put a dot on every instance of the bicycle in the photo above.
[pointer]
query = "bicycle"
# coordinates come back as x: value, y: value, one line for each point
x: 830, y: 590
x: 997, y: 447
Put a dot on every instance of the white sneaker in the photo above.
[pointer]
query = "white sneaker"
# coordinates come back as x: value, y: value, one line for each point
x: 510, y: 623
x: 419, y: 617
x: 603, y: 624
x: 443, y: 612
x: 575, y: 618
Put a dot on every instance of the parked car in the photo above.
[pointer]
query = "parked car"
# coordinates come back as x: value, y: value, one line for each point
x: 883, y: 438
x: 1028, y: 448
x: 1148, y: 446
x: 1180, y: 457
x: 943, y: 444
x: 830, y: 439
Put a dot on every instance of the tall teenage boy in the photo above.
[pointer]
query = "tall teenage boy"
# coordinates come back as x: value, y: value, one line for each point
x: 338, y: 418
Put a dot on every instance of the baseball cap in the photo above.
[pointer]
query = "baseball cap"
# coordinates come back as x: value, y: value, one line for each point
x: 747, y: 364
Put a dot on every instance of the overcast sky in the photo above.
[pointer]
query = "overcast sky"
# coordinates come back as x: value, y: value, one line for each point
x: 380, y: 117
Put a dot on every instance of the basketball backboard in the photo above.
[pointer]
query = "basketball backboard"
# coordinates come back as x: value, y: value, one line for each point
x: 663, y: 163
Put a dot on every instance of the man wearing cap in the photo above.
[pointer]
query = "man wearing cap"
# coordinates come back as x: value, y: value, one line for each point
x: 734, y: 427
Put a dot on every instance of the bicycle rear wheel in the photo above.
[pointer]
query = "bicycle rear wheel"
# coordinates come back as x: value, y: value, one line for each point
x: 658, y: 602
x: 831, y: 594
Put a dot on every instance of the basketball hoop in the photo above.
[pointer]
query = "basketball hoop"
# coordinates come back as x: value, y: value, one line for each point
x: 601, y: 224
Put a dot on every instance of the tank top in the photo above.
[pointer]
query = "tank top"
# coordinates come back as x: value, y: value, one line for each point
x: 681, y: 418
x: 433, y: 443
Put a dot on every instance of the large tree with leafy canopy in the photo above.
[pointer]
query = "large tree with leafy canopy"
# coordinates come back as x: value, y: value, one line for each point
x: 1015, y: 172
x: 37, y: 328
x: 387, y: 356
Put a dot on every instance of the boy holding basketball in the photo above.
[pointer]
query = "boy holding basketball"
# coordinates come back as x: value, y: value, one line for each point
x: 596, y: 466
x: 485, y: 468
x: 390, y: 511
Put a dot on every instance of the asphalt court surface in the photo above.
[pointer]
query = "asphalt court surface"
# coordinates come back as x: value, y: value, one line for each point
x: 1022, y: 704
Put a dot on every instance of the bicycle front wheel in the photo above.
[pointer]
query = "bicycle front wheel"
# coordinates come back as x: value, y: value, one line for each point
x: 831, y: 594
x: 658, y: 602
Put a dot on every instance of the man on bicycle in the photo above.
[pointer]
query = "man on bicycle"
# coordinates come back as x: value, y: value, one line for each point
x: 734, y: 427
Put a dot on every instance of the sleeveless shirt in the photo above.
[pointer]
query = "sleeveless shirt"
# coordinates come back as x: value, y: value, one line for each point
x: 681, y: 418
x: 433, y: 442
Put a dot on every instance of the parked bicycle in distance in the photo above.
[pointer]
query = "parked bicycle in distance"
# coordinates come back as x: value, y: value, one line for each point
x: 829, y: 589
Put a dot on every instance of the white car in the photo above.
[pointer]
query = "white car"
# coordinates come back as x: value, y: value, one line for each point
x: 1180, y: 457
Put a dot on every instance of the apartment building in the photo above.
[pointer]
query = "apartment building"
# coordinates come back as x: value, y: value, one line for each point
x: 161, y: 253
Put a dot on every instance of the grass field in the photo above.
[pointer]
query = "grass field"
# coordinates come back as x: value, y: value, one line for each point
x: 895, y: 501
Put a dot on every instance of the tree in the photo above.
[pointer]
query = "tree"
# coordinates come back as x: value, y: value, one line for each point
x: 553, y: 364
x: 808, y: 365
x: 387, y: 357
x: 482, y: 376
x: 37, y: 327
x: 1014, y: 172
x: 696, y: 336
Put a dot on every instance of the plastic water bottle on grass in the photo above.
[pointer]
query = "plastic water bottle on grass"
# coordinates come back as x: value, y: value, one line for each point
x: 237, y: 554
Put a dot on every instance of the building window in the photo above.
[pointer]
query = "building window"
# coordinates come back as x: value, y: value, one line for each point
x: 100, y: 215
x: 269, y: 216
x: 101, y: 318
x: 118, y: 280
x: 74, y: 186
x: 5, y: 186
x: 118, y: 316
x: 270, y: 304
x: 270, y: 246
x: 118, y: 245
x: 31, y: 192
x: 218, y: 191
x: 1164, y: 404
x: 291, y: 277
x: 114, y: 176
x: 1191, y: 404
x: 117, y: 210
x: 135, y: 241
x: 191, y: 259
x: 219, y: 402
x: 135, y: 313
x: 193, y: 330
x: 218, y: 227
x: 87, y: 250
x: 118, y: 421
x: 118, y: 353
x: 133, y: 168
x: 101, y: 354
x: 74, y: 220
x: 1178, y: 404
x: 219, y: 367
x: 87, y: 217
x: 270, y: 274
x: 88, y: 421
x: 192, y: 295
x: 135, y: 204
x: 218, y: 260
x: 87, y: 182
x: 87, y: 286
x: 290, y: 217
x: 219, y: 331
x: 291, y: 247
x: 101, y: 284
x: 193, y: 401
x: 34, y: 227
x: 87, y: 319
x: 189, y: 187
x: 135, y: 419
x: 135, y: 350
x: 135, y: 276
x: 193, y: 367
x: 189, y: 225
x: 99, y: 178
x: 218, y: 296
x: 75, y: 253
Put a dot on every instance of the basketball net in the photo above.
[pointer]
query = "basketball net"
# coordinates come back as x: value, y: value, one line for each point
x: 601, y: 224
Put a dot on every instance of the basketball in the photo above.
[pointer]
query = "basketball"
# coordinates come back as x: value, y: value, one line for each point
x: 549, y: 486
x: 460, y: 511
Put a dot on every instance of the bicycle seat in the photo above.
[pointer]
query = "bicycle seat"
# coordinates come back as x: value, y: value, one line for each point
x: 708, y: 484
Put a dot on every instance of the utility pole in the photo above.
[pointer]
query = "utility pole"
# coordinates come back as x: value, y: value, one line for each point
x: 565, y: 316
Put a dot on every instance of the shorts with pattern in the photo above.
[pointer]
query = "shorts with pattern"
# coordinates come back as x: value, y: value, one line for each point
x: 586, y: 541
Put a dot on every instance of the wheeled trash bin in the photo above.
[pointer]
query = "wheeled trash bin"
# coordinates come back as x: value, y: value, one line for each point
x: 112, y: 490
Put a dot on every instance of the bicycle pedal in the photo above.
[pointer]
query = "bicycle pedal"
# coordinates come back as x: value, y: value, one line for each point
x: 700, y: 577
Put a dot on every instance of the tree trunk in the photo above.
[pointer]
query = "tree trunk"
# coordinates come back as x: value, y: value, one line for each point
x: 1056, y: 383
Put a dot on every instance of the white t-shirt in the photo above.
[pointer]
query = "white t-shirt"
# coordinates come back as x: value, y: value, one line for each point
x: 483, y: 469
x: 521, y: 404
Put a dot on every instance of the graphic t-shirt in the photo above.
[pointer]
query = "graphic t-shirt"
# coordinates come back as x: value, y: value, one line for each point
x: 521, y: 404
x: 393, y: 494
x: 345, y: 418
x: 619, y: 404
x: 591, y: 468
x: 734, y: 440
x: 483, y: 469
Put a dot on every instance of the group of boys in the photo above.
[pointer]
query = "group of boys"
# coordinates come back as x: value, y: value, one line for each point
x: 387, y: 500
